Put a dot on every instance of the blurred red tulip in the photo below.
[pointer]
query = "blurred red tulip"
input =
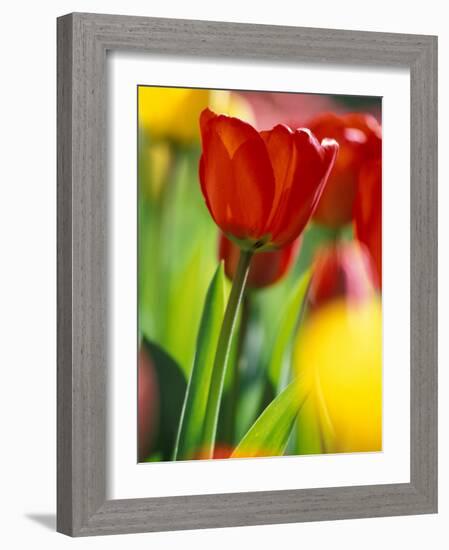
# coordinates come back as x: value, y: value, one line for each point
x: 368, y: 212
x: 147, y: 404
x: 266, y: 268
x: 341, y: 270
x: 261, y: 188
x: 360, y: 139
x: 220, y: 451
x: 271, y: 108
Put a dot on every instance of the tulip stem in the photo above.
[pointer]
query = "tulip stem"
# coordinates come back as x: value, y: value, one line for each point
x: 222, y: 352
x: 234, y: 389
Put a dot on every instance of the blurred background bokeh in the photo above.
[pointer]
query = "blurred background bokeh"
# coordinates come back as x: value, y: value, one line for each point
x: 311, y: 308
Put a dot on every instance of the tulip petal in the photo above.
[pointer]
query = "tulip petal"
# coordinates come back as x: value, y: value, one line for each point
x: 331, y: 148
x: 368, y: 212
x: 202, y: 175
x: 253, y: 186
x: 282, y: 152
x: 217, y: 184
x: 206, y: 116
x: 298, y: 202
x: 236, y: 176
x: 343, y: 271
x: 360, y: 139
x: 233, y: 132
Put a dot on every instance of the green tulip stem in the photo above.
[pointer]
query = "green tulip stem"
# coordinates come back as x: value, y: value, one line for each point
x: 234, y: 389
x: 222, y: 352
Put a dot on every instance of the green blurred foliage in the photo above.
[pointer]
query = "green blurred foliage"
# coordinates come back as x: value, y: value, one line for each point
x: 177, y: 257
x: 172, y: 387
x: 269, y: 434
x: 359, y: 102
x: 190, y: 440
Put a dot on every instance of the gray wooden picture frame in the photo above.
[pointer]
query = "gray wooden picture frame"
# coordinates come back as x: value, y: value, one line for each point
x: 83, y: 40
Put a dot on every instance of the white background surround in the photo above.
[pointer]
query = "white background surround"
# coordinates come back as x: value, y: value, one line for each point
x: 28, y: 274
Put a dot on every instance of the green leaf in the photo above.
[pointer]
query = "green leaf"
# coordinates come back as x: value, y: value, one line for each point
x: 172, y: 388
x: 309, y: 439
x: 279, y: 366
x: 268, y: 436
x: 256, y: 395
x: 222, y: 354
x: 315, y: 432
x: 185, y: 303
x: 189, y: 439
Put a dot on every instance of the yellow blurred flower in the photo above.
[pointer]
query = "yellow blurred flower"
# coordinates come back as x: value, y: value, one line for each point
x: 159, y: 161
x: 231, y: 104
x: 173, y: 113
x: 338, y: 357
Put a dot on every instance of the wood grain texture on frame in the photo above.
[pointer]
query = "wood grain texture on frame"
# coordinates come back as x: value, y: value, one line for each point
x: 83, y: 40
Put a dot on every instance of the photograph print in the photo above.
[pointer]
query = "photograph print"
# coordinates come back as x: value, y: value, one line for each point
x: 259, y: 274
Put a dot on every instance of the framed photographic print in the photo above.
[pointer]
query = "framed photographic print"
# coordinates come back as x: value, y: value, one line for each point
x: 247, y: 274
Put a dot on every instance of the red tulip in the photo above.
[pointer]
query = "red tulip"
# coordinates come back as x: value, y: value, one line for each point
x: 261, y: 188
x: 360, y: 139
x: 266, y: 268
x: 368, y: 212
x: 341, y: 270
x: 272, y: 108
x: 147, y: 404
